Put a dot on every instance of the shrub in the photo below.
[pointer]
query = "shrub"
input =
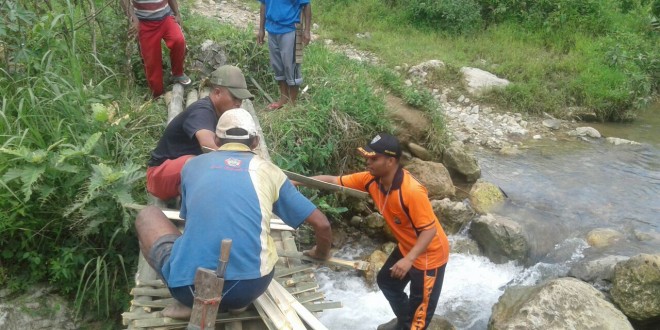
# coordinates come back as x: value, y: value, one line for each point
x: 452, y: 16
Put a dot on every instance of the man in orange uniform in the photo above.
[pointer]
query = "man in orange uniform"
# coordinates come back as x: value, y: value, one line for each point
x: 423, y: 250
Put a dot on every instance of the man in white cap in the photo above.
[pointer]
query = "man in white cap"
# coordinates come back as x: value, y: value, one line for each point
x: 230, y: 193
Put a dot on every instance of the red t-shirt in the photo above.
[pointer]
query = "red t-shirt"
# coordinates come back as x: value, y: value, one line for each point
x: 407, y: 211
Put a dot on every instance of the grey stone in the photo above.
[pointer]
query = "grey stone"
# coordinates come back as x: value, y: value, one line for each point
x: 479, y: 81
x: 452, y: 215
x: 356, y: 221
x: 601, y: 237
x: 459, y: 160
x: 465, y: 245
x: 434, y: 176
x: 636, y: 287
x: 440, y: 323
x: 617, y: 141
x: 552, y: 123
x: 375, y: 220
x: 419, y: 151
x: 564, y: 303
x: 585, y: 131
x: 500, y: 239
x: 597, y: 269
x: 485, y: 196
x: 23, y: 312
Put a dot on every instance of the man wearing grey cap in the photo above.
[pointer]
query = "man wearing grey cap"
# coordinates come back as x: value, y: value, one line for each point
x: 193, y: 129
x: 232, y: 194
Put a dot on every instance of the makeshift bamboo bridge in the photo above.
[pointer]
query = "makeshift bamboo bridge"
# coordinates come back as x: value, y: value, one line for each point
x: 290, y: 301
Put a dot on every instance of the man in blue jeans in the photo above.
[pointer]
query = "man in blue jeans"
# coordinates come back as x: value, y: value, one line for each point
x: 230, y: 193
x: 279, y: 18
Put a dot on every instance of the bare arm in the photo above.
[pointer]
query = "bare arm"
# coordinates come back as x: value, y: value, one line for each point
x: 307, y: 19
x: 262, y: 24
x: 323, y: 234
x: 401, y: 267
x: 132, y: 19
x: 174, y: 5
x: 206, y: 138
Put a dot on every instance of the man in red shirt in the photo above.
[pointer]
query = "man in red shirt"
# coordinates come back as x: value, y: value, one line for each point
x: 423, y: 250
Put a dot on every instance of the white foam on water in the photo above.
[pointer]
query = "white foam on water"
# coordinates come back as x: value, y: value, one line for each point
x: 471, y: 287
x: 363, y: 308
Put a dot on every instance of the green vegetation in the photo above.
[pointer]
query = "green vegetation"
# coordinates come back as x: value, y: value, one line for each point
x: 602, y: 56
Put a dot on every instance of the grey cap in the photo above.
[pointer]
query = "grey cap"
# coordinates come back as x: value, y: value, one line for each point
x: 232, y: 78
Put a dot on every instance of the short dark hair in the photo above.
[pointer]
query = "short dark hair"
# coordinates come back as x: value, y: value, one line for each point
x: 238, y: 132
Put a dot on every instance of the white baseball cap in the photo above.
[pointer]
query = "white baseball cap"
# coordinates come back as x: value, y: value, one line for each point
x: 236, y: 118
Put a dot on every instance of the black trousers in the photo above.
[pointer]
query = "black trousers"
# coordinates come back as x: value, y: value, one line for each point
x: 416, y: 311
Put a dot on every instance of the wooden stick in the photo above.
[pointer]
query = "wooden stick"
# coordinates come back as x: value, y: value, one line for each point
x: 176, y: 105
x: 289, y: 271
x: 162, y: 292
x: 305, y: 314
x: 317, y: 307
x: 355, y: 264
x: 284, y: 303
x: 310, y: 182
x: 256, y: 84
x: 169, y: 322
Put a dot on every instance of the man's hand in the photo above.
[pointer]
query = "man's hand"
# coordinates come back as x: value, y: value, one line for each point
x: 401, y: 268
x: 317, y: 255
x: 307, y: 37
x: 260, y: 37
x: 178, y: 19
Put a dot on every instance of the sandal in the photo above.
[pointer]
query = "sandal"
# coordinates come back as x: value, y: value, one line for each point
x: 274, y: 106
x: 182, y: 79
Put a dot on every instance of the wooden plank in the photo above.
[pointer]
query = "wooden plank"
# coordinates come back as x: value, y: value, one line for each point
x: 303, y: 287
x: 275, y: 315
x: 152, y: 283
x: 170, y: 322
x: 309, y: 297
x: 318, y: 307
x: 159, y: 303
x: 289, y: 271
x: 305, y: 314
x: 284, y: 302
x: 288, y: 282
x: 160, y: 292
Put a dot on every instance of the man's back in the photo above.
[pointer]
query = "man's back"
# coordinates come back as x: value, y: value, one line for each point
x: 232, y: 193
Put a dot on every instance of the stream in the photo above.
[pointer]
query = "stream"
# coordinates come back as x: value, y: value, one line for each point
x: 558, y: 191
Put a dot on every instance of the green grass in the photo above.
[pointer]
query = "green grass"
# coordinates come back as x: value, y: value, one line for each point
x: 551, y: 70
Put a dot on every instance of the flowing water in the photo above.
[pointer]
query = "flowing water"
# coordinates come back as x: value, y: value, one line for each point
x: 558, y: 191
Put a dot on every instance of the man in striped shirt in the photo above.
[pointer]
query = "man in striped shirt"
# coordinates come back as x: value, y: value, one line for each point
x: 153, y: 21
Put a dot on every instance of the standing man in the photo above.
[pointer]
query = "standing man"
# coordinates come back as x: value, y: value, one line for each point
x: 423, y: 250
x: 193, y: 129
x: 279, y: 18
x: 153, y: 21
x: 230, y: 193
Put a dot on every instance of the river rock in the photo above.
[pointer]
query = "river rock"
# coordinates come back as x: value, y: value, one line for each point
x: 500, y: 239
x: 422, y: 69
x: 36, y: 309
x: 374, y: 220
x: 452, y: 215
x: 510, y: 151
x: 617, y: 141
x: 484, y: 196
x: 552, y: 123
x: 597, y: 269
x: 563, y: 303
x: 457, y: 159
x: 440, y: 323
x: 388, y: 247
x: 434, y: 176
x: 585, y: 131
x: 419, y: 151
x: 644, y: 236
x: 339, y: 236
x: 376, y: 261
x: 465, y: 245
x: 636, y: 287
x: 601, y: 237
x: 479, y: 81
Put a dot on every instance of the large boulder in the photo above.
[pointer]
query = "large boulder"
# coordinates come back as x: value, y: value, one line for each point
x: 485, y: 196
x: 440, y: 323
x: 479, y: 81
x: 601, y: 269
x: 434, y: 176
x: 465, y: 245
x: 564, y: 303
x: 602, y: 237
x: 452, y: 215
x: 376, y: 261
x: 636, y: 287
x: 458, y: 160
x: 38, y: 308
x: 500, y: 239
x: 419, y: 151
